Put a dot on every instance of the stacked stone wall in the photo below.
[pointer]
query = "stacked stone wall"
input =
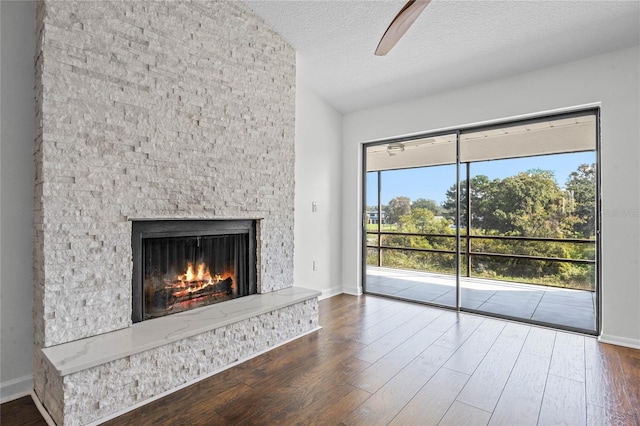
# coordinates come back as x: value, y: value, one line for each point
x: 151, y: 109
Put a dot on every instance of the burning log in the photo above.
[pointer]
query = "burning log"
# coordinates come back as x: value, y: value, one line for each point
x: 196, y: 289
x: 196, y: 286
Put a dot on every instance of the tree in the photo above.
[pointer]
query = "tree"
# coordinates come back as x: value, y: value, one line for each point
x: 581, y: 186
x: 481, y: 189
x: 431, y: 205
x: 423, y: 221
x: 528, y: 204
x: 397, y: 207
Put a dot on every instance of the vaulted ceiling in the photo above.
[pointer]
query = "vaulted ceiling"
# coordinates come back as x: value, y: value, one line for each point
x: 452, y: 44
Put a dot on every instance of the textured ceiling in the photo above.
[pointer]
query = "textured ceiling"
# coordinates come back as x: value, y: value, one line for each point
x: 452, y: 44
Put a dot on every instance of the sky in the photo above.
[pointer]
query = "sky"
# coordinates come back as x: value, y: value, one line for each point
x: 433, y: 182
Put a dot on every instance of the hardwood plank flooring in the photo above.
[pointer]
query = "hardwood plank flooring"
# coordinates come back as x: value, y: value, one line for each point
x: 540, y: 342
x: 382, y: 361
x: 522, y: 395
x: 382, y: 346
x: 21, y: 411
x: 568, y: 357
x: 381, y: 407
x: 486, y: 384
x: 377, y: 374
x: 432, y: 402
x: 467, y: 358
x: 463, y: 414
x: 563, y: 402
x: 599, y: 369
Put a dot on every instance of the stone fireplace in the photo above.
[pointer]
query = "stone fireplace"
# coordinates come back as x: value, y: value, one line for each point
x: 177, y: 111
x: 182, y: 265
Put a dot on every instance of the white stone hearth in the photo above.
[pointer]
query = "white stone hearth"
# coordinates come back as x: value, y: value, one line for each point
x: 83, y: 354
x: 96, y: 377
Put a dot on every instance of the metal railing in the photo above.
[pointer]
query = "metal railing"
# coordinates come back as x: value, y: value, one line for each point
x: 468, y: 253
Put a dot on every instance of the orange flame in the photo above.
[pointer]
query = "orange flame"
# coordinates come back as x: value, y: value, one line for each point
x: 202, y: 274
x: 195, y: 279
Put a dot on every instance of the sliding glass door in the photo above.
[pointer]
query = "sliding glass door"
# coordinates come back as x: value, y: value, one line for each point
x: 407, y: 233
x: 499, y: 220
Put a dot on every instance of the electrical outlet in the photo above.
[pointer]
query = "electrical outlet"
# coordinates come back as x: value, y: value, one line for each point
x: 315, y: 265
x: 314, y: 207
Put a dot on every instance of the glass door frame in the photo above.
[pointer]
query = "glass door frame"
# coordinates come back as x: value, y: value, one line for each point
x: 568, y: 113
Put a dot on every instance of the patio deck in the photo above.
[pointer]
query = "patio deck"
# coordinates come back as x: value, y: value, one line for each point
x: 566, y: 308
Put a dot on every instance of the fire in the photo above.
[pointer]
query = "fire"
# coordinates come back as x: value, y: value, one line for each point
x: 202, y: 275
x: 196, y: 286
x: 195, y: 279
x: 198, y: 280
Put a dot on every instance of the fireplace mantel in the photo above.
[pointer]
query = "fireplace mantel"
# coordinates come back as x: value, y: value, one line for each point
x: 69, y: 358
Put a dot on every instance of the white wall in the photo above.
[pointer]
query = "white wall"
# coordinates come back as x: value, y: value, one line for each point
x: 613, y: 80
x: 16, y: 195
x: 318, y: 174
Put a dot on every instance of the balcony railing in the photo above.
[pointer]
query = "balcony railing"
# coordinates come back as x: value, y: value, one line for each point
x: 375, y: 242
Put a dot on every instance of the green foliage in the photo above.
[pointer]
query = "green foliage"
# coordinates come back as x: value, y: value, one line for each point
x: 397, y: 207
x: 529, y: 204
x: 424, y: 221
x: 481, y: 190
x: 581, y: 187
x: 403, y: 259
x: 432, y: 205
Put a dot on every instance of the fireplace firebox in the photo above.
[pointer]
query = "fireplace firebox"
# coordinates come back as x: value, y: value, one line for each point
x: 186, y: 264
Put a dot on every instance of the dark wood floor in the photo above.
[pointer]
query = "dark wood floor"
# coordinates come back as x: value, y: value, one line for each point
x: 381, y: 361
x: 21, y: 411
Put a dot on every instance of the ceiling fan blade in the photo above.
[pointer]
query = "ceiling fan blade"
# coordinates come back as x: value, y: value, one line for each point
x: 400, y: 24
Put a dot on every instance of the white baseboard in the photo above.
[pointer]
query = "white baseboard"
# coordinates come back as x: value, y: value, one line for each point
x: 16, y: 388
x: 351, y: 293
x: 334, y: 291
x: 620, y: 341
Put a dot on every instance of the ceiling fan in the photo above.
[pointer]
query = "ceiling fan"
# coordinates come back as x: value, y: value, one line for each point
x: 400, y: 24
